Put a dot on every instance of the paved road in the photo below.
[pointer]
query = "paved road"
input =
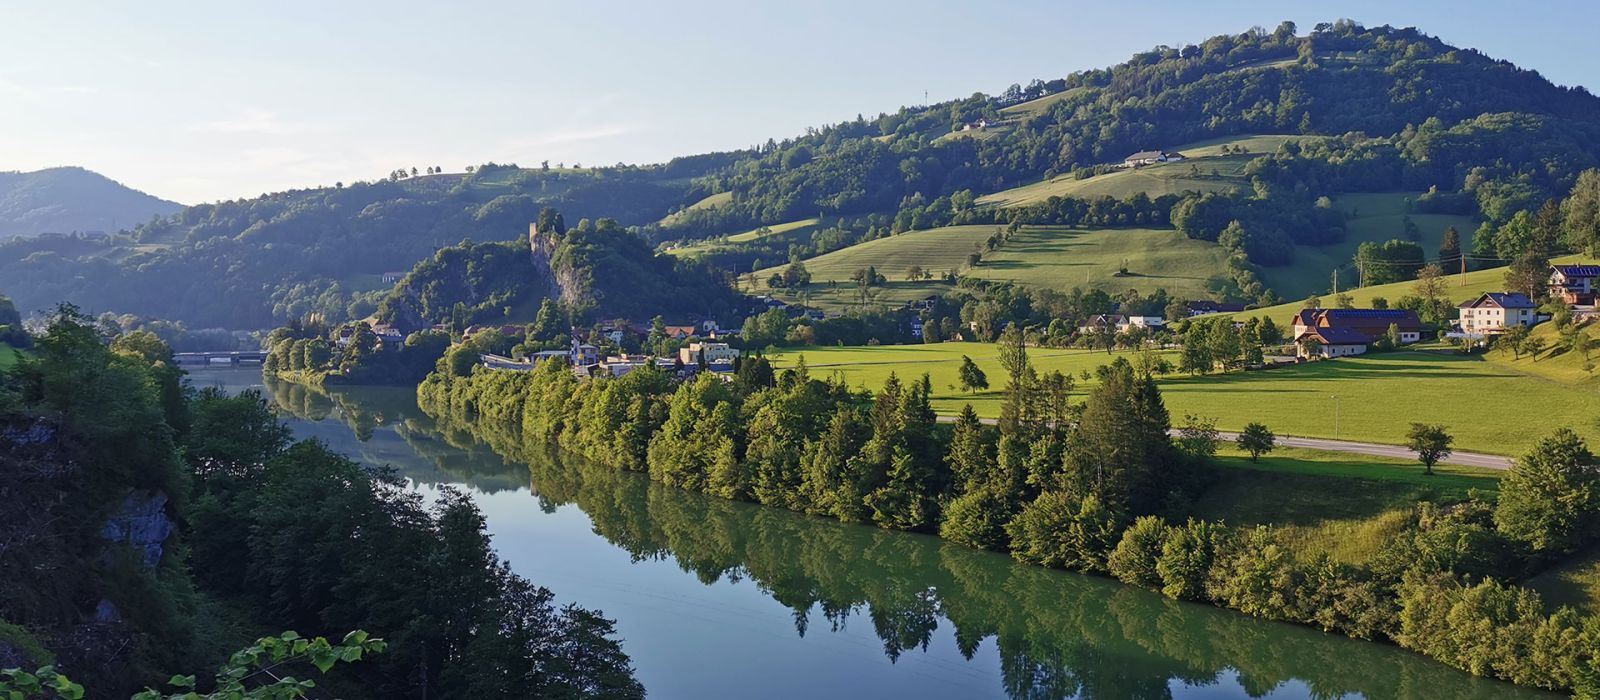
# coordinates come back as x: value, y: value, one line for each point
x: 1468, y: 459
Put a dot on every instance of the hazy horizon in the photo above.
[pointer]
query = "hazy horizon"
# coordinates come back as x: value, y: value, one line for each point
x: 217, y: 102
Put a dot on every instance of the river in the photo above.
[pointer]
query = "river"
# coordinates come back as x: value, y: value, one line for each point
x: 715, y: 599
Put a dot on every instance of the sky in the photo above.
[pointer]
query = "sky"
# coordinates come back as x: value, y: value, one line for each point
x: 206, y: 101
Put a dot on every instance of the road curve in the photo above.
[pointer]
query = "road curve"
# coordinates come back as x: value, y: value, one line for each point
x: 1466, y: 459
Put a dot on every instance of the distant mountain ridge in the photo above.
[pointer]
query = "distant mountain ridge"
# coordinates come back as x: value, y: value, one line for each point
x: 68, y: 199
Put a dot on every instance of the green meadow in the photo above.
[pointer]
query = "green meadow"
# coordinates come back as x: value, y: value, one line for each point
x: 1205, y: 168
x: 1346, y: 505
x: 1487, y: 407
x: 1375, y: 217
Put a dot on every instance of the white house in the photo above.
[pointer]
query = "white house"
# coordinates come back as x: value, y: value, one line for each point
x: 1334, y: 342
x: 712, y: 353
x: 1575, y: 284
x: 1494, y: 312
x: 1131, y: 322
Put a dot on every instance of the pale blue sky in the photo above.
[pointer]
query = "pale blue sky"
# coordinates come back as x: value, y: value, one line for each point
x: 214, y: 100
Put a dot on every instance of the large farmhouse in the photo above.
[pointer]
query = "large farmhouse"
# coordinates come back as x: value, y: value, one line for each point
x: 1341, y: 332
x: 1150, y: 158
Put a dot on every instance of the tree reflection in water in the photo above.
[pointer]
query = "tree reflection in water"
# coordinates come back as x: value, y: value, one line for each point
x: 1058, y: 634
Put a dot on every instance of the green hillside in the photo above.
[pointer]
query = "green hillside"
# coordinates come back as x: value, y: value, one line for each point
x: 1461, y: 288
x: 1375, y: 217
x: 1193, y: 174
x: 1060, y: 259
x: 1552, y: 362
x: 707, y: 202
x: 793, y: 230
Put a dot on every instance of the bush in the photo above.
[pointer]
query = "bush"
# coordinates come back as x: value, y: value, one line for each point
x: 1134, y: 560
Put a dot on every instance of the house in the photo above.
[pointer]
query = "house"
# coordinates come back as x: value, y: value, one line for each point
x: 1374, y: 322
x: 1098, y: 321
x: 916, y: 328
x: 982, y: 122
x: 392, y: 277
x: 1150, y: 158
x: 1304, y: 319
x: 1371, y: 323
x: 680, y: 332
x: 583, y: 354
x: 1334, y: 342
x: 1140, y: 322
x: 712, y: 353
x: 1203, y: 308
x: 1494, y: 312
x: 1575, y: 284
x: 709, y: 326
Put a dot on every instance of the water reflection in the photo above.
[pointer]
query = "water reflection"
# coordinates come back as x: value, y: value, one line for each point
x: 1057, y: 635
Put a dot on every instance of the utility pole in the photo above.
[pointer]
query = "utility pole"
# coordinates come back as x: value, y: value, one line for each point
x: 1336, y: 281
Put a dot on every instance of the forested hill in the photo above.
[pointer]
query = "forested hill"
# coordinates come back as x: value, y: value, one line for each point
x: 251, y: 263
x: 64, y: 200
x: 596, y: 269
x: 1356, y: 109
x: 1445, y: 116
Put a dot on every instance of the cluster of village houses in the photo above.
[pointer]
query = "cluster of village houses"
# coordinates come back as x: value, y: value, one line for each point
x: 1345, y: 332
x: 586, y: 361
x: 1337, y: 332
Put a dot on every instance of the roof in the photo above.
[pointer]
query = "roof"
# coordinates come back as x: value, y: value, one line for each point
x: 1214, y: 306
x: 1504, y: 300
x: 1306, y: 317
x: 1338, y: 336
x: 1142, y: 155
x: 1578, y: 270
x: 1370, y: 319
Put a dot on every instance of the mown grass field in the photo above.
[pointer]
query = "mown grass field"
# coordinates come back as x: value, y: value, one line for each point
x: 707, y: 202
x: 1037, y: 106
x: 843, y: 297
x: 1040, y: 256
x: 1346, y: 505
x: 937, y: 250
x: 1487, y: 407
x: 1061, y: 258
x: 1552, y: 363
x: 796, y: 231
x: 1376, y: 217
x: 1194, y: 173
x: 1460, y: 287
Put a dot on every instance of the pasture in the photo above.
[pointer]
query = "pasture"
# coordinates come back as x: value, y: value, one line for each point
x: 1460, y: 287
x: 1060, y: 258
x: 1345, y: 505
x: 794, y: 231
x: 1375, y: 217
x: 1487, y: 407
x: 1205, y: 168
x: 1056, y: 257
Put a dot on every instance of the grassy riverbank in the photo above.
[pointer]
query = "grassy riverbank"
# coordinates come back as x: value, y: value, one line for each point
x: 1371, y: 398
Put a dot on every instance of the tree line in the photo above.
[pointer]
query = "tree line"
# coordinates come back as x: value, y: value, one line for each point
x: 254, y: 533
x: 1096, y: 486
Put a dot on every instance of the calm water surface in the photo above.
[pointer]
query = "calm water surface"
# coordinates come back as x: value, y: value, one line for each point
x: 716, y: 599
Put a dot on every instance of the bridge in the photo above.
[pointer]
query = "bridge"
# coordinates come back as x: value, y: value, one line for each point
x: 233, y: 357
